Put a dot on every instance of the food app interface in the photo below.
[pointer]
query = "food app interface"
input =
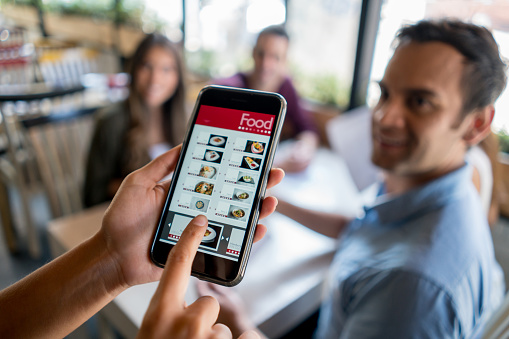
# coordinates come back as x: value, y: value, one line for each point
x: 219, y: 177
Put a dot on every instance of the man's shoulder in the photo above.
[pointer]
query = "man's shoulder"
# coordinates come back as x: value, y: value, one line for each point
x: 237, y: 80
x: 287, y: 85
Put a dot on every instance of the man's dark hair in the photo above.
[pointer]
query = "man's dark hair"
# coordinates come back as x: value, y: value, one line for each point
x: 484, y: 78
x: 277, y: 30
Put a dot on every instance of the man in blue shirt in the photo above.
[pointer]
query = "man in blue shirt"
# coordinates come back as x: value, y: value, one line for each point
x: 420, y: 262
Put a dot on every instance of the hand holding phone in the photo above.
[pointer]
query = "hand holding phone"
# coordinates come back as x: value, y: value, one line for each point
x: 222, y: 173
x: 175, y: 319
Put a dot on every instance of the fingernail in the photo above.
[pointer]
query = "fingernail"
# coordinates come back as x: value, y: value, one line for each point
x: 201, y: 220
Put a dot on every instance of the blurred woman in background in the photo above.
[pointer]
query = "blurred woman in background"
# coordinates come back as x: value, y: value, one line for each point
x: 151, y: 121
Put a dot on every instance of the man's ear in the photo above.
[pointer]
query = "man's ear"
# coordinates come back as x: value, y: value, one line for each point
x: 479, y: 126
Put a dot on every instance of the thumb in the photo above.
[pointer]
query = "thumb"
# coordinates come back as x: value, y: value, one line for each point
x: 161, y: 166
x: 249, y: 335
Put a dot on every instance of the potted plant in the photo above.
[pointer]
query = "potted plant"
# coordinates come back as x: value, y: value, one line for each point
x: 503, y: 159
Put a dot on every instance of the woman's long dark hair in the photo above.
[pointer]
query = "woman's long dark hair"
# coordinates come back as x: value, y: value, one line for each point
x: 174, y: 114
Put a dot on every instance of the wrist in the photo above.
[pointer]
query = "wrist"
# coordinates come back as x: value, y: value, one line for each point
x: 108, y: 266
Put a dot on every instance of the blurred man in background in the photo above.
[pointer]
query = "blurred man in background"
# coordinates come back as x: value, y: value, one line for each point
x: 270, y: 74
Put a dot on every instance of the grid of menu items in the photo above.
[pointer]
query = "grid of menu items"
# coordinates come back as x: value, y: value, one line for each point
x: 219, y: 179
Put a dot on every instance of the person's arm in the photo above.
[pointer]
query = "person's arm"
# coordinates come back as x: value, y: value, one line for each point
x: 328, y: 224
x: 61, y: 295
x: 301, y: 153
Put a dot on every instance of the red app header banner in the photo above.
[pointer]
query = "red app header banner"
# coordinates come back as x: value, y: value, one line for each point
x: 227, y: 118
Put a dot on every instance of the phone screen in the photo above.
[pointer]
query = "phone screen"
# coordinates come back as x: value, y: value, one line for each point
x: 220, y: 176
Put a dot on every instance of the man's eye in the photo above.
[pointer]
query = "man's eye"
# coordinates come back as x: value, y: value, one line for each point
x: 420, y: 102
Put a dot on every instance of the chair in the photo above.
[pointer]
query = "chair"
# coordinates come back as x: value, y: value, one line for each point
x: 349, y: 135
x: 44, y: 157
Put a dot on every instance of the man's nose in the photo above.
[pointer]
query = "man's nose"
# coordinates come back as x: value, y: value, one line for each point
x: 390, y: 113
x: 266, y: 62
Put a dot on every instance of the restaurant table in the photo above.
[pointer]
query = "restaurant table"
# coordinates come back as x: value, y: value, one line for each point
x: 284, y: 277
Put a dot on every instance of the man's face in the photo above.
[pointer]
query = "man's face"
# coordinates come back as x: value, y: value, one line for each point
x: 416, y: 125
x: 269, y: 57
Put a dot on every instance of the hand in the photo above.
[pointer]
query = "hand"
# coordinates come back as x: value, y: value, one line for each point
x: 130, y: 221
x: 167, y: 315
x: 232, y: 310
x: 300, y: 153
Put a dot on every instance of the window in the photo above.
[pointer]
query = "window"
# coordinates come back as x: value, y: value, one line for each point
x: 323, y: 45
x: 220, y: 33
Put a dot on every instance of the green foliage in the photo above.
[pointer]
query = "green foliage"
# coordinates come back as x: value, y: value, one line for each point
x: 128, y: 12
x: 503, y: 139
x: 201, y: 62
x: 325, y: 88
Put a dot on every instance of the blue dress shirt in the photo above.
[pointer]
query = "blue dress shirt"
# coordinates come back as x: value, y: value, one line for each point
x: 417, y: 265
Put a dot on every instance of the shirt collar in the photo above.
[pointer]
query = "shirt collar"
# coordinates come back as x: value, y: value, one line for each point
x: 422, y: 198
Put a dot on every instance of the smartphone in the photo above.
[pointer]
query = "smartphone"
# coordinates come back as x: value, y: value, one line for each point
x: 222, y: 173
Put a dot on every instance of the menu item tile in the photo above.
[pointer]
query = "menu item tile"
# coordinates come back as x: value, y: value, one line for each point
x: 236, y: 160
x: 204, y: 188
x: 197, y: 185
x: 235, y: 243
x: 222, y: 209
x: 208, y: 172
x: 218, y: 140
x: 243, y: 196
x: 249, y: 146
x: 231, y: 193
x: 255, y: 147
x: 188, y: 201
x: 203, y: 138
x: 251, y: 163
x: 206, y: 154
x: 240, y: 145
x: 227, y: 192
x: 237, y: 213
x: 213, y: 156
x: 212, y: 237
x: 198, y: 169
x: 178, y: 225
x: 246, y: 179
x: 199, y: 204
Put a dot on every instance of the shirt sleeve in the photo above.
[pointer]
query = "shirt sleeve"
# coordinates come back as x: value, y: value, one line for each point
x: 400, y: 305
x: 237, y: 80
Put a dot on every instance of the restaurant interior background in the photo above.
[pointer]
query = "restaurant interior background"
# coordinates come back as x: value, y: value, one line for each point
x: 61, y: 60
